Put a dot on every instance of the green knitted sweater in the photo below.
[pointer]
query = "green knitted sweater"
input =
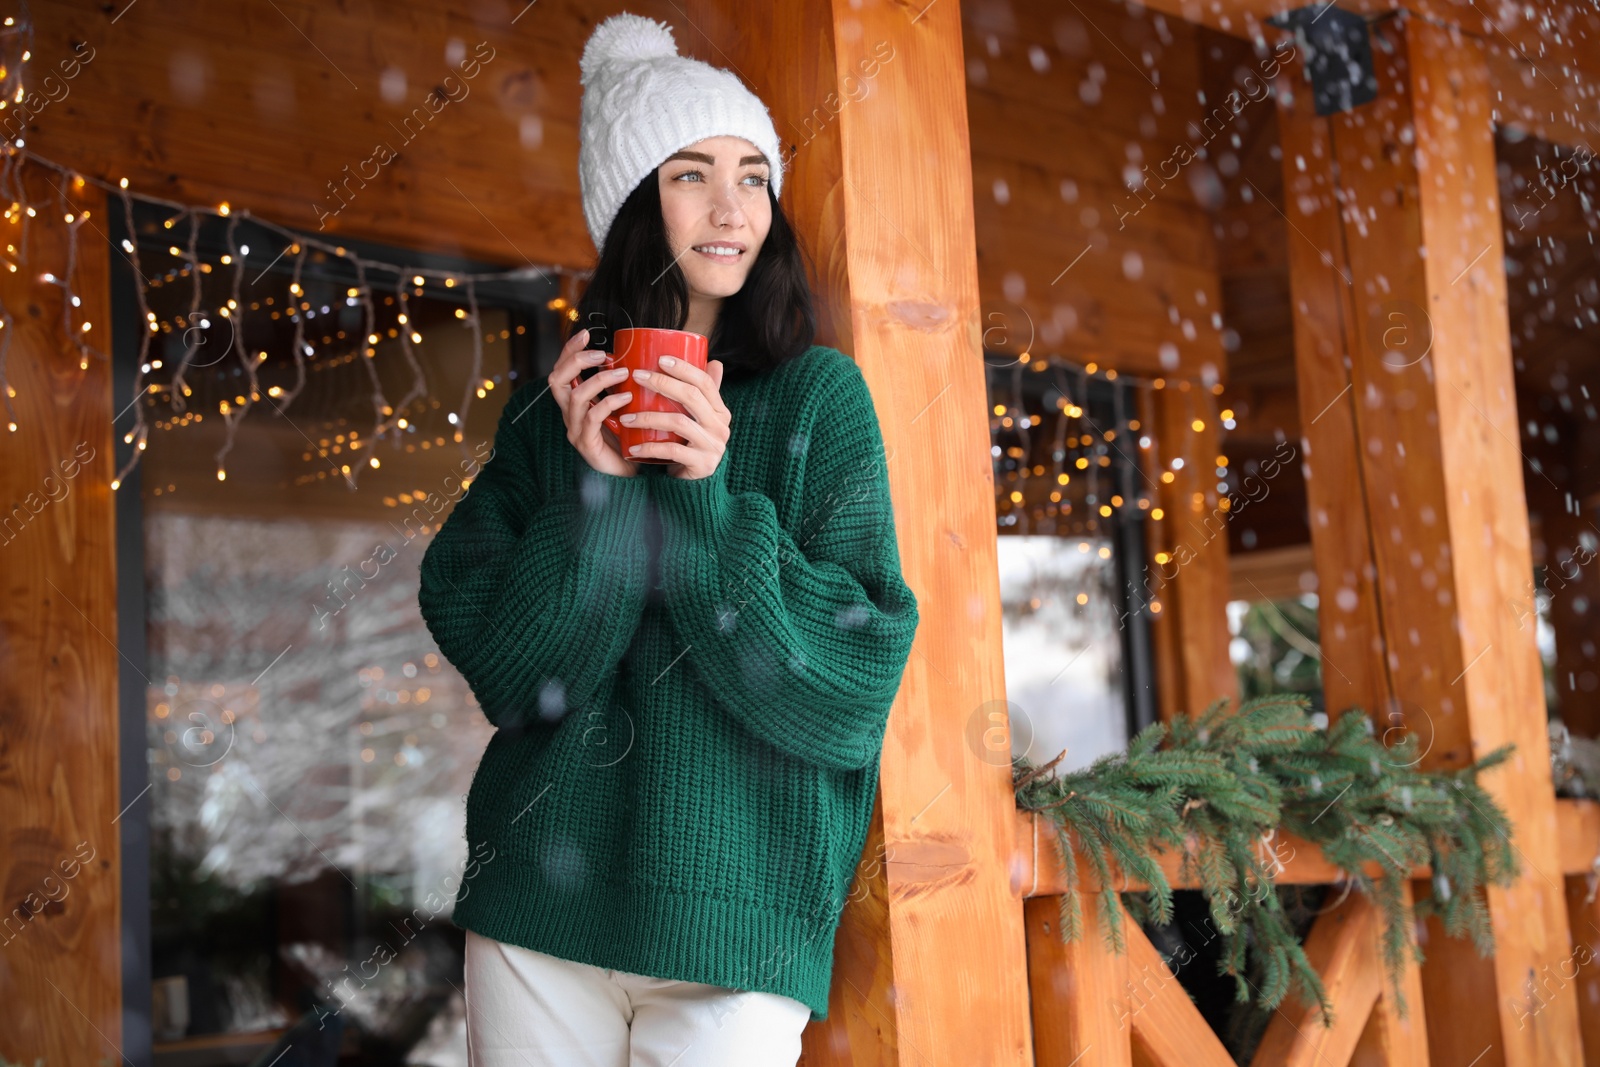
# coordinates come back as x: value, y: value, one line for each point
x: 690, y: 678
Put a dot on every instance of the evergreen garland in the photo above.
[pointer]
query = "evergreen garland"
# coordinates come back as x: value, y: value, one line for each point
x: 1216, y: 787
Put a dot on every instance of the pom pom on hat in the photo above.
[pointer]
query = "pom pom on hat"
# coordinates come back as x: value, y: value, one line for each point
x: 625, y: 38
x: 642, y: 102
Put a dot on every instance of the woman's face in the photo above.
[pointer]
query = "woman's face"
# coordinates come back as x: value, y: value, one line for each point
x: 714, y: 197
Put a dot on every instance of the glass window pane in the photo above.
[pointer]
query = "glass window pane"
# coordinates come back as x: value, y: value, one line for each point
x: 1063, y: 656
x: 309, y: 747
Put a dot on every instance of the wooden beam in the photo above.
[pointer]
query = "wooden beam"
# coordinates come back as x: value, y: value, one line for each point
x: 1299, y: 862
x: 900, y: 261
x: 1343, y: 948
x: 875, y: 94
x: 1035, y: 860
x: 1168, y: 1030
x: 1188, y: 547
x: 1080, y: 992
x: 1349, y: 629
x: 281, y: 110
x: 1419, y: 523
x: 1390, y: 1039
x: 1582, y: 968
x: 61, y: 864
x: 1578, y: 828
x: 1485, y: 510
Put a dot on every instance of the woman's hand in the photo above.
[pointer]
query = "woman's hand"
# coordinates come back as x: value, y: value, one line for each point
x: 586, y: 420
x: 705, y: 427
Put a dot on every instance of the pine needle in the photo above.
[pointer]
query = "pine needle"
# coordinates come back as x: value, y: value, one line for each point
x: 1214, y: 787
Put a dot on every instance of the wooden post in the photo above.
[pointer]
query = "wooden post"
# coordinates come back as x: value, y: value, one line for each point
x: 1419, y: 521
x: 1082, y: 1014
x: 1167, y: 1028
x: 1189, y: 552
x: 1343, y: 947
x: 869, y: 98
x: 60, y: 861
x: 1582, y: 968
x: 1389, y: 1040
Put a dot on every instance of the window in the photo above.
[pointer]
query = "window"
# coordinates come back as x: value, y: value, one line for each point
x: 307, y: 747
x: 1071, y: 501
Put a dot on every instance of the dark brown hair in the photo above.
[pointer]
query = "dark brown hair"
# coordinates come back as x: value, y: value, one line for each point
x: 637, y: 282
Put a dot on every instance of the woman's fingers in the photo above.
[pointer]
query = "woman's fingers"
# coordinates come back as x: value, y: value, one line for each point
x: 573, y: 360
x: 600, y: 452
x: 670, y: 450
x: 690, y: 386
x: 567, y: 367
x: 590, y: 388
x: 696, y: 434
x: 606, y: 405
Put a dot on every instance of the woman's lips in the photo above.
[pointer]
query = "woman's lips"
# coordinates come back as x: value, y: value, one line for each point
x: 719, y: 258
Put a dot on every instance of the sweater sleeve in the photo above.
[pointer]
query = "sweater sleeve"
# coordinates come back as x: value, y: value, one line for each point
x: 802, y: 636
x: 535, y: 583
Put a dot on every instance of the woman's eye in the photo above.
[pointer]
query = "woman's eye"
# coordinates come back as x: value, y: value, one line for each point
x: 759, y: 179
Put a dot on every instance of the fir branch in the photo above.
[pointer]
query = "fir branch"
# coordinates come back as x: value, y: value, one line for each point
x: 1213, y: 786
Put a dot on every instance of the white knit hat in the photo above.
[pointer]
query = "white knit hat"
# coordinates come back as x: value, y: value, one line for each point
x: 642, y: 102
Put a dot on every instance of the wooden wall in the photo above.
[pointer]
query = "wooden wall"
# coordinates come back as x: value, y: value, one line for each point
x: 265, y: 104
x: 1061, y: 122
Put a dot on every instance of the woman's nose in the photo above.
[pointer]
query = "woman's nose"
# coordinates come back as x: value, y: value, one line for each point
x: 727, y: 205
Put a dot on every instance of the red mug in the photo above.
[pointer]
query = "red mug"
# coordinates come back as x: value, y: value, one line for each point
x: 640, y: 348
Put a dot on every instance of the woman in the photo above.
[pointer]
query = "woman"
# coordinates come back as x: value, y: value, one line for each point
x: 690, y: 664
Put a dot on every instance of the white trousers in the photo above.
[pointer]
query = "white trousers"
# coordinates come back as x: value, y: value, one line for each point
x: 530, y: 1009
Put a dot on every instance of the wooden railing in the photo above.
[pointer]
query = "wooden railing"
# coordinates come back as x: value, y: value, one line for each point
x: 1095, y: 1008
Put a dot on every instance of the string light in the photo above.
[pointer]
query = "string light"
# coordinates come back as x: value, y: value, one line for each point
x: 1076, y: 452
x: 388, y: 419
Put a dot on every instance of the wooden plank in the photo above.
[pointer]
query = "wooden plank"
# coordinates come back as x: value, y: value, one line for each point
x: 1168, y: 230
x: 1435, y: 643
x: 1074, y: 262
x: 1578, y: 828
x: 1299, y: 862
x: 176, y: 95
x: 1189, y: 551
x: 1528, y: 98
x: 1352, y: 674
x: 1489, y: 542
x: 61, y: 979
x: 1582, y: 968
x: 902, y: 257
x: 1390, y: 1040
x: 1080, y: 995
x: 1035, y: 860
x: 1342, y: 946
x: 1275, y: 573
x: 1168, y: 1029
x: 1149, y: 48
